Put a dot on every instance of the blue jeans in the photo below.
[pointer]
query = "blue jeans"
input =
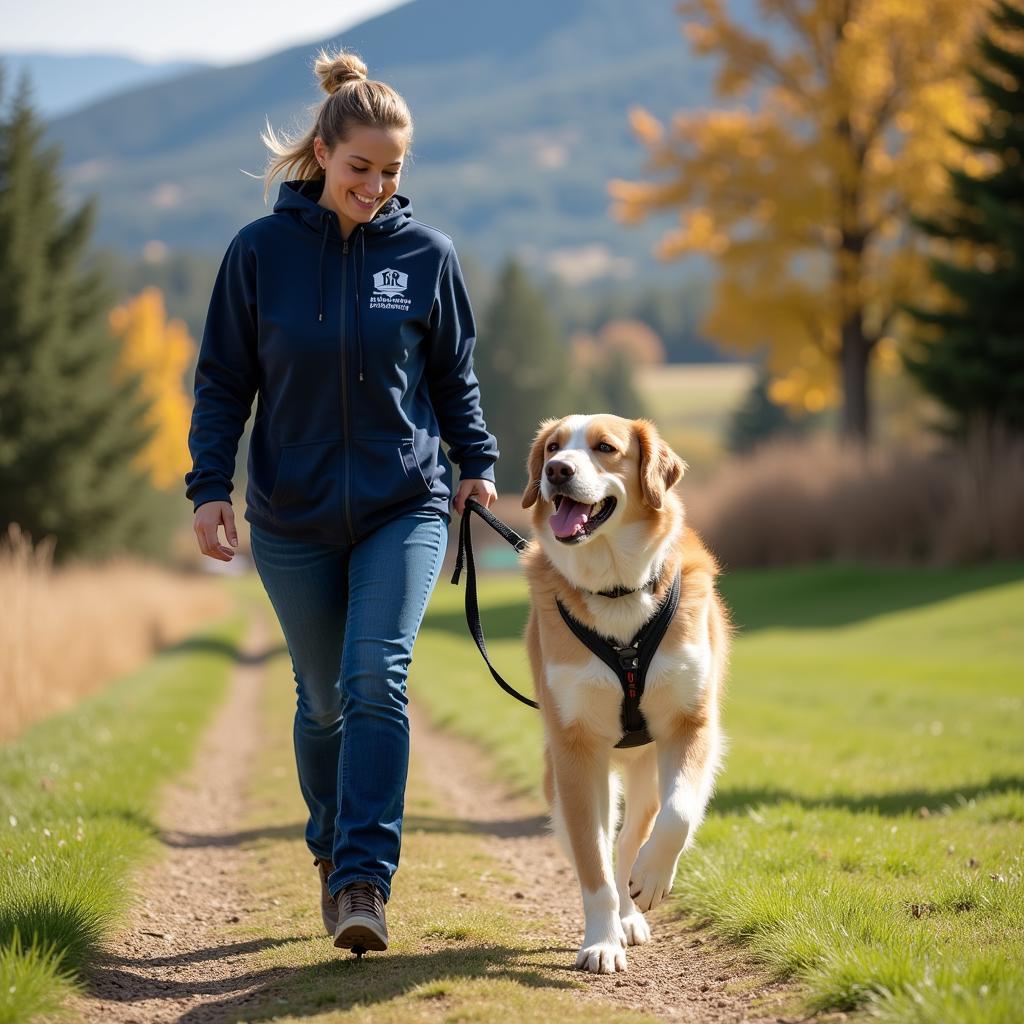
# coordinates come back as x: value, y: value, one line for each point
x: 350, y: 615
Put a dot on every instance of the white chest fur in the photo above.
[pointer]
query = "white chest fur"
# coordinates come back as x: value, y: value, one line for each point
x: 587, y: 694
x: 621, y: 617
x: 676, y: 681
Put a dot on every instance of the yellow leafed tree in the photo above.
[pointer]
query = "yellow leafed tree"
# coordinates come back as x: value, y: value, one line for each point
x: 805, y: 198
x: 159, y: 351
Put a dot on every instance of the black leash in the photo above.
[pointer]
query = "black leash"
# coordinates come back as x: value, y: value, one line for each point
x: 465, y: 557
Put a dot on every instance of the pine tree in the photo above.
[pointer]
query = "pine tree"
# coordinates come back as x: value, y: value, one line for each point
x: 975, y: 364
x: 522, y: 365
x: 70, y: 425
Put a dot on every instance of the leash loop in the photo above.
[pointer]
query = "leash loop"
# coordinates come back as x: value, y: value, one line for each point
x: 464, y: 559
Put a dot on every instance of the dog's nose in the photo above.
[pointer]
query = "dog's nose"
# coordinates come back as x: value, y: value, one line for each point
x: 558, y: 472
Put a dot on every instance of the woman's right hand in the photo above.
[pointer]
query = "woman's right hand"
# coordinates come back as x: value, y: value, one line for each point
x: 208, y: 519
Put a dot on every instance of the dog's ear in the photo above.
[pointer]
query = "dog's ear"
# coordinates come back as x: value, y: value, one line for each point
x: 660, y: 467
x: 535, y: 464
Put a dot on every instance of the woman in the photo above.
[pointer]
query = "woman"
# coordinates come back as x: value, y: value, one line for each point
x: 351, y: 322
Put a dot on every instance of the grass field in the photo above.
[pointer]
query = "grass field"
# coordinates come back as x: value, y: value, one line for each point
x: 693, y: 404
x: 868, y: 829
x: 866, y: 837
x: 77, y: 794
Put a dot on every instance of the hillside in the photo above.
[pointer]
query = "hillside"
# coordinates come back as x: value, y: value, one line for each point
x: 521, y: 120
x: 62, y: 83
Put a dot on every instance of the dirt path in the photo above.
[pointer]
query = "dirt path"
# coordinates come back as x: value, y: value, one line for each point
x: 172, y: 958
x: 678, y: 976
x: 185, y: 954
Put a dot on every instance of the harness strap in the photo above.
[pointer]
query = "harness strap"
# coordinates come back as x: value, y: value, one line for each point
x: 630, y: 663
x: 465, y: 557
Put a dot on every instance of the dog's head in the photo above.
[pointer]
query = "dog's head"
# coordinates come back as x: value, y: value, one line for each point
x: 597, y: 474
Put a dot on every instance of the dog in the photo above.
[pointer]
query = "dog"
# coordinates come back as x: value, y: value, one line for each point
x: 606, y: 518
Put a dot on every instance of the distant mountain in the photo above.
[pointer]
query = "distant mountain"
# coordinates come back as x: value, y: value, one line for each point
x: 62, y: 82
x: 521, y: 119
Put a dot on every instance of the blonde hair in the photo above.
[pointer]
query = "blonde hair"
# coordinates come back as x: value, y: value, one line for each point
x: 352, y: 99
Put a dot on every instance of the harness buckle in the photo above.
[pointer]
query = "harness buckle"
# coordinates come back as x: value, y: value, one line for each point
x: 629, y: 657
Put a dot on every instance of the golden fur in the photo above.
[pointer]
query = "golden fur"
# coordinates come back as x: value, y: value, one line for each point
x: 666, y: 783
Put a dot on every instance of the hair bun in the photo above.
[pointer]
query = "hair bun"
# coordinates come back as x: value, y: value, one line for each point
x: 335, y: 69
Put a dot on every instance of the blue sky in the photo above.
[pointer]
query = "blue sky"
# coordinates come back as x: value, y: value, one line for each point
x: 214, y: 31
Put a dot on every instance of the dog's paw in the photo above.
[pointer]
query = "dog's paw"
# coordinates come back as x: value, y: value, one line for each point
x: 637, y: 930
x: 602, y: 957
x: 650, y: 881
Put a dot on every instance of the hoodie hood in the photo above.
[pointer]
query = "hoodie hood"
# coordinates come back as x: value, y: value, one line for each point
x: 300, y: 197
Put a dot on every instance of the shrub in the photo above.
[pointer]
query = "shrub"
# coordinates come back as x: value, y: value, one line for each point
x: 69, y: 630
x: 794, y: 500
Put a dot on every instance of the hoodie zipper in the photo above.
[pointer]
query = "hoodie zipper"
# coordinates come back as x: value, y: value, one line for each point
x: 344, y: 392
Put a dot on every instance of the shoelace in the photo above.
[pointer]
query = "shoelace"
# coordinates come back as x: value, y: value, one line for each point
x: 362, y: 898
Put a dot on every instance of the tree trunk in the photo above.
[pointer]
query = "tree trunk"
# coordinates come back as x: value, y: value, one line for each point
x: 854, y: 351
x: 856, y: 422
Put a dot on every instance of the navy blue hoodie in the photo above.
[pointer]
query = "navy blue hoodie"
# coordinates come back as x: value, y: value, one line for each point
x: 361, y: 353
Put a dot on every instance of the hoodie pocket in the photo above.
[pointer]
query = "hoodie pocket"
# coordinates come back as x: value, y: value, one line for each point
x: 309, y: 486
x: 387, y: 470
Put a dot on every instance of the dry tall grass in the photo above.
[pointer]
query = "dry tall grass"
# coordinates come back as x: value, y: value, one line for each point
x: 812, y: 500
x: 67, y: 631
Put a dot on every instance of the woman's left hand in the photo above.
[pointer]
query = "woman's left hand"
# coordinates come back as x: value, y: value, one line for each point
x: 482, y: 490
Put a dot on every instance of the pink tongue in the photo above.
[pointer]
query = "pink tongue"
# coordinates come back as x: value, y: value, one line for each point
x: 569, y: 518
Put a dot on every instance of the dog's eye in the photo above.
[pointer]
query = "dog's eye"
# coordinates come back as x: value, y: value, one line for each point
x: 553, y: 446
x: 604, y: 446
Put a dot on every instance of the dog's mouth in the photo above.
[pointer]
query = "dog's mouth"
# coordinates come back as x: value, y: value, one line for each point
x: 574, y: 521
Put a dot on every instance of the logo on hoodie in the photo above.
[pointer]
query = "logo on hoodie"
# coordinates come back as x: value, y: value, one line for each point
x: 388, y: 288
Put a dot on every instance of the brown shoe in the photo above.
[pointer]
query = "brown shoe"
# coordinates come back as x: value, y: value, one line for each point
x: 328, y: 905
x: 361, y: 924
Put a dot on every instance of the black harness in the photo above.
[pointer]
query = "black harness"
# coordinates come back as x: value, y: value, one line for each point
x: 629, y: 663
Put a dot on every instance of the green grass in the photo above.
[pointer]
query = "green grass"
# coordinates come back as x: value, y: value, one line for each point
x: 77, y: 795
x: 868, y: 829
x: 32, y: 983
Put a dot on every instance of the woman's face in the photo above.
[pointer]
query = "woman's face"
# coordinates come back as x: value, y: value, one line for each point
x: 362, y: 173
